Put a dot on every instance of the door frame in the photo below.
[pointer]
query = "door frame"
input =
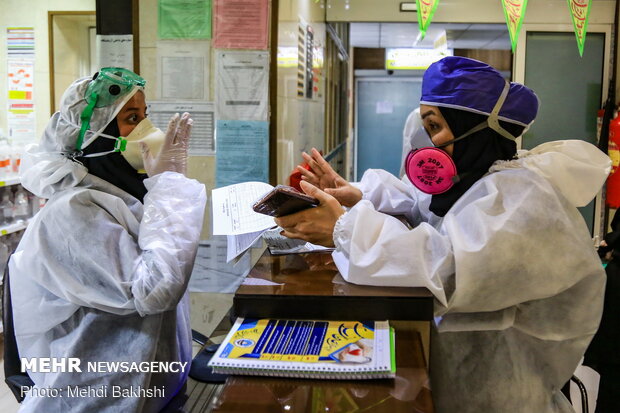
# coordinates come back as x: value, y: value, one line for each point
x: 518, y: 75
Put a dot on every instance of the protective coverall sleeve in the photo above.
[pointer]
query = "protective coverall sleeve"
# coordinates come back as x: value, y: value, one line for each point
x: 95, y: 253
x: 169, y: 235
x: 495, y: 248
x: 389, y: 194
x: 380, y: 251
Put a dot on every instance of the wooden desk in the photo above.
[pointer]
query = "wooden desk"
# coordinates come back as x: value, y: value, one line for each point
x: 310, y: 287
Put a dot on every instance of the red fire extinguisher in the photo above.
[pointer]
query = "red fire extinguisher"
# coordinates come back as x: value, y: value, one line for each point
x: 613, y: 181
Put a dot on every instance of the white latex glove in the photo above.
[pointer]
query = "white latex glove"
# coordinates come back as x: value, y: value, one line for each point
x: 173, y: 153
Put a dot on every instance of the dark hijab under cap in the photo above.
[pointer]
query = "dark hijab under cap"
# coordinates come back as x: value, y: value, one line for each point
x: 112, y: 167
x: 473, y: 155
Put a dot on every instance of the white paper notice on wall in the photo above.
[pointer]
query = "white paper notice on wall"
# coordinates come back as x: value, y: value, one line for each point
x: 183, y: 69
x: 21, y: 120
x: 242, y: 85
x: 385, y: 107
x: 201, y: 142
x: 115, y: 50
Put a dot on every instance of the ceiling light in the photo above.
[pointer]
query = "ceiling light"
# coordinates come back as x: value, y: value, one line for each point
x: 408, y: 7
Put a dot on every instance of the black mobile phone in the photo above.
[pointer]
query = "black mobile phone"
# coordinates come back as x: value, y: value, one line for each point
x: 283, y: 200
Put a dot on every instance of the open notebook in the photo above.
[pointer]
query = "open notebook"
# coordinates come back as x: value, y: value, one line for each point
x: 308, y: 349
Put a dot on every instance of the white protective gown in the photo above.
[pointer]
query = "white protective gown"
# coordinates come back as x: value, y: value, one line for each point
x: 101, y: 277
x: 518, y: 284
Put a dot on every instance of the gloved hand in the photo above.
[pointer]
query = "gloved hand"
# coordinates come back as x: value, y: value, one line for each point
x: 173, y: 153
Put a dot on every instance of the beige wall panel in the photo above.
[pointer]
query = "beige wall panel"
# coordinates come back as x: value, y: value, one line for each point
x: 148, y: 23
x: 148, y: 70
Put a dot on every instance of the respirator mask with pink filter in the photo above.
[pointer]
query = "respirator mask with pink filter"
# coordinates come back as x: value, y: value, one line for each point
x: 430, y: 168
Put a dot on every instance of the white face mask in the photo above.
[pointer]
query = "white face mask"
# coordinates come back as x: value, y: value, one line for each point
x: 418, y: 137
x: 145, y: 132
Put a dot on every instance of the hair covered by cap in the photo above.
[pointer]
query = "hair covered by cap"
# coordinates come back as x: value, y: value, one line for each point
x: 474, y: 86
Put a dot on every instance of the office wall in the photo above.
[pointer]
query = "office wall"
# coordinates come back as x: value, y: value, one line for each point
x: 201, y: 168
x: 33, y: 13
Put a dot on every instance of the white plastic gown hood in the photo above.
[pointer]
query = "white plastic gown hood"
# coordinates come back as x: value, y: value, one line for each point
x: 46, y: 167
x: 576, y: 168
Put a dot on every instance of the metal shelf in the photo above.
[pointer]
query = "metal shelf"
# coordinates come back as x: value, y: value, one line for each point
x: 14, y: 227
x: 12, y: 180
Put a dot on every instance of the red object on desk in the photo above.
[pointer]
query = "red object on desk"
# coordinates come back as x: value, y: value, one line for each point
x: 294, y: 178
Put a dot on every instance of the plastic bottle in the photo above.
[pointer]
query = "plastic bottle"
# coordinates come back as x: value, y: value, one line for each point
x: 5, y: 160
x: 16, y: 159
x: 7, y: 207
x: 22, y: 208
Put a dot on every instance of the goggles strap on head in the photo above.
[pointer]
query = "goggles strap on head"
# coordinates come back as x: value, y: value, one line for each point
x: 87, y: 113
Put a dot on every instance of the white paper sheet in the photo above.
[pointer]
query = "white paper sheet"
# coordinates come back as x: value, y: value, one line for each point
x: 201, y: 142
x: 232, y: 209
x: 183, y: 67
x: 258, y: 281
x: 238, y: 244
x: 21, y: 119
x: 115, y: 50
x: 242, y: 85
x: 281, y: 245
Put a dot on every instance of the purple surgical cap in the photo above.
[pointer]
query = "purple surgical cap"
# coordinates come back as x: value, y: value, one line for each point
x: 474, y: 86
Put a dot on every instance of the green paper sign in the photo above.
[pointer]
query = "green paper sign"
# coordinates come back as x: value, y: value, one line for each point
x: 514, y: 11
x: 580, y: 11
x: 184, y: 19
x: 426, y: 10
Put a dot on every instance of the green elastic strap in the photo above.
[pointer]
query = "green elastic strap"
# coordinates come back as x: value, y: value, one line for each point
x: 87, y: 113
x: 120, y: 145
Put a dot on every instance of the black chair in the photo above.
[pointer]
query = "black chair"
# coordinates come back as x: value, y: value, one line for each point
x: 13, y: 375
x: 583, y: 393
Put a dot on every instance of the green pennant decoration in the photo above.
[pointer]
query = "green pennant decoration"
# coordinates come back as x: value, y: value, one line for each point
x: 514, y: 11
x: 426, y: 9
x: 580, y: 11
